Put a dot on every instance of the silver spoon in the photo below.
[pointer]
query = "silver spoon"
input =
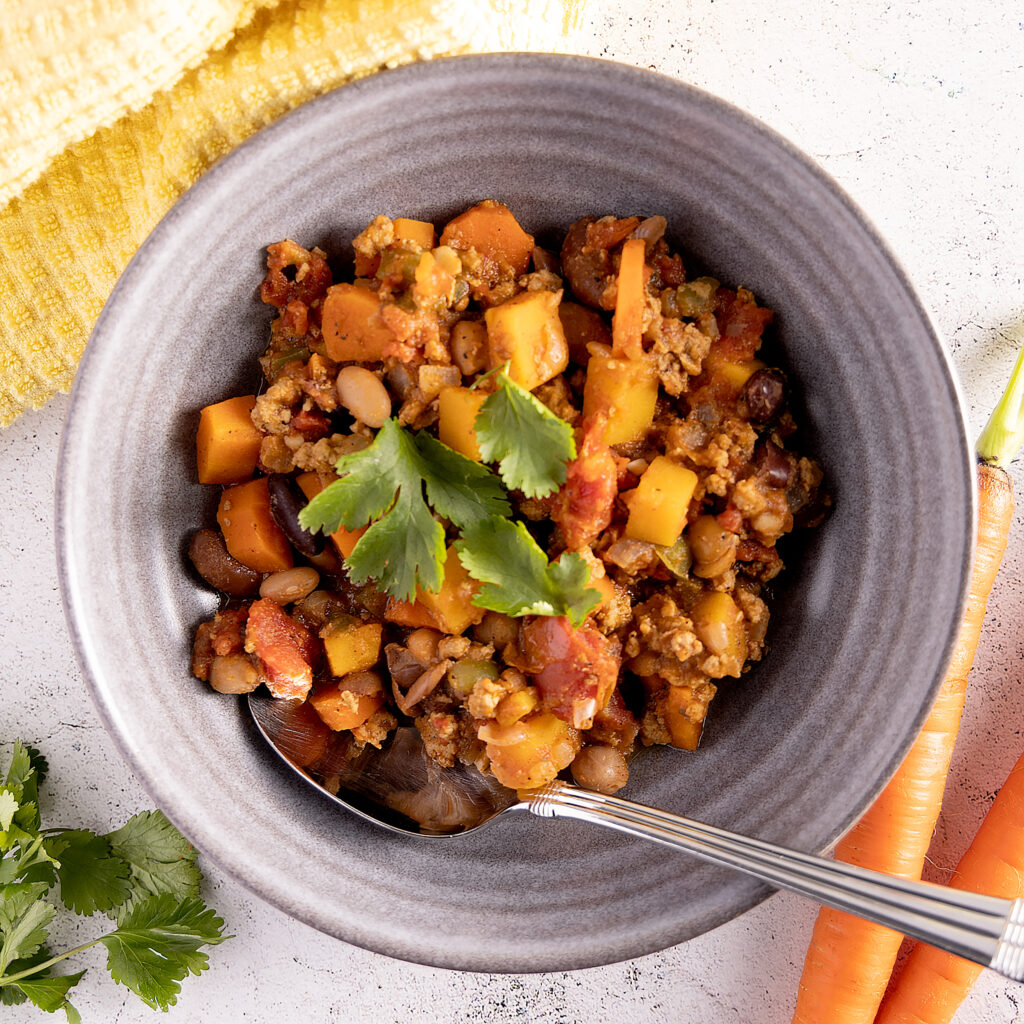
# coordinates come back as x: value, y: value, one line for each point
x: 401, y: 789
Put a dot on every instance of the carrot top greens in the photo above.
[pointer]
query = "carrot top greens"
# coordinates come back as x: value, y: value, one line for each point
x: 1004, y: 433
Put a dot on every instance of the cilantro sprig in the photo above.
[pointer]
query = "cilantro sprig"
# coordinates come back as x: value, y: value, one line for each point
x: 531, y: 445
x: 383, y: 485
x: 143, y: 875
x: 517, y: 578
x: 403, y: 483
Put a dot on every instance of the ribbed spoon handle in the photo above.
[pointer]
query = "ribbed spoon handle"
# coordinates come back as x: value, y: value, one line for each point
x: 984, y: 929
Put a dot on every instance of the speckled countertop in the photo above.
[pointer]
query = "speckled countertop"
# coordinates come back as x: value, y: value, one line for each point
x: 915, y: 108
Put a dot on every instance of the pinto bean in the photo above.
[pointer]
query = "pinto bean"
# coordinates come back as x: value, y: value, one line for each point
x: 290, y: 585
x: 763, y: 394
x: 210, y: 556
x: 600, y: 768
x: 285, y: 506
x: 233, y: 673
x: 588, y: 272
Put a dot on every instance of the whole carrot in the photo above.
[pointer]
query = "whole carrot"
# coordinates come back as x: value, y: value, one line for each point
x: 933, y: 984
x: 849, y: 961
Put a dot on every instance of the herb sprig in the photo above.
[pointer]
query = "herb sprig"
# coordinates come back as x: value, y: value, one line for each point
x: 143, y: 876
x: 383, y: 487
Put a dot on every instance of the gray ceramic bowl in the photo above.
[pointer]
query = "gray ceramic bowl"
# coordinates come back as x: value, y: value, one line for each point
x: 861, y: 629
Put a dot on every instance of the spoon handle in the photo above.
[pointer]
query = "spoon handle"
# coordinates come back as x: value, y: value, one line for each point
x: 984, y: 929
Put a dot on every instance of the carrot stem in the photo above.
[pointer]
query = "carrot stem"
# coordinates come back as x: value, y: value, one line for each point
x: 1004, y: 433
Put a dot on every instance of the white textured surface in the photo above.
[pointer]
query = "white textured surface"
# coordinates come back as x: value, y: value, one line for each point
x: 916, y: 109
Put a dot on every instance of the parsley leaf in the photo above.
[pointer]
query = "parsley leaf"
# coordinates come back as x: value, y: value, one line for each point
x: 383, y: 485
x: 528, y: 441
x: 91, y: 877
x: 160, y: 859
x: 157, y: 945
x: 517, y: 577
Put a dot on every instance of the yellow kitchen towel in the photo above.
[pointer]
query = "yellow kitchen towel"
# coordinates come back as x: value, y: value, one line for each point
x: 114, y: 107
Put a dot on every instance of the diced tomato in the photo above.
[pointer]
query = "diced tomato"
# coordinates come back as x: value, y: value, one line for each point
x: 731, y: 519
x: 741, y: 322
x: 311, y: 424
x: 583, y: 507
x: 285, y: 648
x: 754, y: 551
x: 614, y: 724
x: 221, y: 635
x: 574, y: 670
x: 308, y: 279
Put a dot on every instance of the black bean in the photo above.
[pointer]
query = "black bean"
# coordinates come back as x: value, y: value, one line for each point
x: 763, y: 395
x: 773, y: 464
x: 285, y: 506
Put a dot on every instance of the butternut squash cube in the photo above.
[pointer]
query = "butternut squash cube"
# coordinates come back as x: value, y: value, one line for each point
x: 250, y: 532
x: 227, y: 442
x: 526, y: 332
x: 721, y: 628
x: 734, y: 374
x: 456, y: 413
x: 353, y: 330
x: 343, y: 708
x: 626, y: 390
x: 685, y: 733
x: 420, y: 232
x: 658, y: 506
x: 452, y: 606
x: 411, y: 614
x: 351, y: 646
x: 530, y: 752
x: 491, y: 229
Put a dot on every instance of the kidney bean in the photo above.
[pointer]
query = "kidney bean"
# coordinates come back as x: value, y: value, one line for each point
x: 209, y: 555
x: 590, y: 272
x: 773, y: 464
x: 764, y: 394
x: 285, y: 506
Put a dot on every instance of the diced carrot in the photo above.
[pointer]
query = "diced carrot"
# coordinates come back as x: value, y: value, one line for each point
x: 628, y: 320
x: 250, y: 533
x: 341, y: 708
x: 227, y: 442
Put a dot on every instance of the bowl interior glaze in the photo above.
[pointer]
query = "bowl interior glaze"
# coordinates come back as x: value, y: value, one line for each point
x: 862, y: 624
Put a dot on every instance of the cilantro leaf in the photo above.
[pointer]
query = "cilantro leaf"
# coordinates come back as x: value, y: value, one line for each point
x: 528, y: 441
x: 159, y: 858
x: 459, y: 488
x: 50, y: 992
x: 384, y: 485
x: 403, y: 550
x: 91, y: 877
x: 10, y: 995
x: 516, y: 575
x: 9, y: 803
x: 24, y: 918
x: 369, y: 481
x: 156, y: 945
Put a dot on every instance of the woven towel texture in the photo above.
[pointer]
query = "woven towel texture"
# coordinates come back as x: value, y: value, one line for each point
x: 111, y: 134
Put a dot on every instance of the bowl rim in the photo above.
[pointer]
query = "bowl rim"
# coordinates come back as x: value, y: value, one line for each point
x: 369, y: 85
